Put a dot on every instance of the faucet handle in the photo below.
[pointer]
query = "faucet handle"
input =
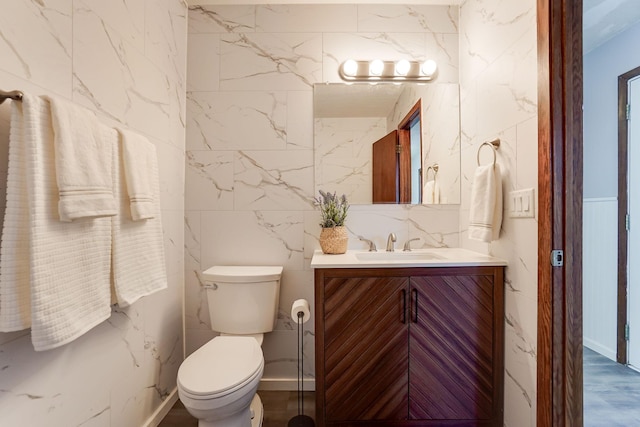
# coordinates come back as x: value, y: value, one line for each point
x: 407, y: 244
x: 372, y: 246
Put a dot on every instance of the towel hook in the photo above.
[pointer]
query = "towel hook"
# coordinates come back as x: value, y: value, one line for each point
x: 433, y: 168
x: 494, y: 146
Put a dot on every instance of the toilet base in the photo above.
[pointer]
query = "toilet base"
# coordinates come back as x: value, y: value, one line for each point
x: 257, y: 415
x: 257, y: 411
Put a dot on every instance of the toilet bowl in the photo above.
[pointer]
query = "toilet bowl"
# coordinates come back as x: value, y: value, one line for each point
x: 218, y: 382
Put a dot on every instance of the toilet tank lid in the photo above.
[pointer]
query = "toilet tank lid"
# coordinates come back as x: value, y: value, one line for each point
x: 241, y: 273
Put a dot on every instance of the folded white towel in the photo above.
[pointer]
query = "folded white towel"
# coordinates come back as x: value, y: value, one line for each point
x: 69, y: 268
x: 485, y: 217
x: 431, y: 193
x: 138, y: 155
x: 138, y: 246
x: 83, y: 163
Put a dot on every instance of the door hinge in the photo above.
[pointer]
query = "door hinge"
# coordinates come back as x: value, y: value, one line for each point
x: 627, y: 225
x: 557, y: 258
x: 628, y: 112
x: 626, y: 332
x: 398, y: 149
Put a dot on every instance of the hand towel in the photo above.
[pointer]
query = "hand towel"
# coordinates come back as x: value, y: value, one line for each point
x: 83, y: 163
x: 69, y: 267
x: 431, y: 193
x: 138, y: 246
x: 15, y: 295
x: 138, y: 155
x: 485, y: 217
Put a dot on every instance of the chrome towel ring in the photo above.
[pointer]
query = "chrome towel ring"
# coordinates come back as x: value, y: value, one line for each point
x: 495, y: 144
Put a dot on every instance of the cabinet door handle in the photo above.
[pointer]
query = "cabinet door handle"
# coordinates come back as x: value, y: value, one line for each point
x: 415, y: 302
x: 404, y: 306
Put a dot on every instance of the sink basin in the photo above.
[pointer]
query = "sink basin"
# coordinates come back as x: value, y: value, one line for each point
x: 398, y: 256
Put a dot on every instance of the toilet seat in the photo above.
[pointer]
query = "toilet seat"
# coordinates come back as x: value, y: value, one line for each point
x: 220, y: 367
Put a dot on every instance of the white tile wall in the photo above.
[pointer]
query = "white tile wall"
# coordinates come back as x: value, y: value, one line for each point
x: 127, y: 61
x: 255, y: 103
x: 498, y: 84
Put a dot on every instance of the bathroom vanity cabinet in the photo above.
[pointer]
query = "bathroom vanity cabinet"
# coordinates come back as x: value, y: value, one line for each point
x: 409, y: 346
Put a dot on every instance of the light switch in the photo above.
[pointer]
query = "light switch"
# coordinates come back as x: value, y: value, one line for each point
x: 522, y: 204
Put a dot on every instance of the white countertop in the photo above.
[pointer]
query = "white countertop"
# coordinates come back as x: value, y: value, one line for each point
x: 435, y: 257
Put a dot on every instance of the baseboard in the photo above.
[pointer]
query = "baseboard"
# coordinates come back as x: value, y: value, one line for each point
x: 598, y: 348
x: 162, y: 410
x: 286, y: 384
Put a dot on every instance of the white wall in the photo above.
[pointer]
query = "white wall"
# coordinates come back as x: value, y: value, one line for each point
x: 602, y: 66
x: 126, y: 61
x: 600, y: 275
x: 498, y: 79
x: 250, y: 178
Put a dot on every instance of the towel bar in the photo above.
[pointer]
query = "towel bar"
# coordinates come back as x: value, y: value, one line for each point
x: 16, y: 95
x: 494, y: 144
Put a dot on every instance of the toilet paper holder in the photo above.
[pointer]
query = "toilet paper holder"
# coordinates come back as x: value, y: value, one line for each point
x: 301, y: 313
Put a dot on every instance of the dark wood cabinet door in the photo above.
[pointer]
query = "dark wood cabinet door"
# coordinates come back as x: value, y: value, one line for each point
x: 365, y: 348
x: 451, y: 350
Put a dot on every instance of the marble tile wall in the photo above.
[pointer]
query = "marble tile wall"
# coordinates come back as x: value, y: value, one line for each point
x: 250, y: 174
x: 498, y: 80
x: 125, y: 60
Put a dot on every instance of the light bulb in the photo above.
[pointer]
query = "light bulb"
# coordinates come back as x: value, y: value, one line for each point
x: 375, y: 67
x: 350, y: 67
x: 429, y: 67
x: 402, y: 67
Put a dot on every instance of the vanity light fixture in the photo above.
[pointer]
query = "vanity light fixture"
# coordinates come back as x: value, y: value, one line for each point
x: 387, y: 71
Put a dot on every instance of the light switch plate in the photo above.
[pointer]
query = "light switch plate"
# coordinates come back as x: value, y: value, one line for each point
x: 522, y: 203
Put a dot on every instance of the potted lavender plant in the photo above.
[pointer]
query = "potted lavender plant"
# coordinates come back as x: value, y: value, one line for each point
x: 333, y: 237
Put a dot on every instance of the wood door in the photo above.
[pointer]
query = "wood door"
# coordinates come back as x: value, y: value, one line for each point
x: 451, y: 349
x: 386, y: 179
x: 365, y: 349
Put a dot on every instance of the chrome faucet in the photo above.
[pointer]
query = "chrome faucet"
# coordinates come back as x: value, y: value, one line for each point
x: 407, y: 244
x: 390, y: 241
x: 372, y: 246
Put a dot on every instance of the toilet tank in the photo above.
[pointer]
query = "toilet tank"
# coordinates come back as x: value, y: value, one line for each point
x: 243, y: 299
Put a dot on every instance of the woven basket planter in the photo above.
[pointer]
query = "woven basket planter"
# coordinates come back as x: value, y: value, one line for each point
x: 334, y: 240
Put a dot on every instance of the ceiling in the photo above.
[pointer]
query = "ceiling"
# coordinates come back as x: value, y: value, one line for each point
x: 602, y: 19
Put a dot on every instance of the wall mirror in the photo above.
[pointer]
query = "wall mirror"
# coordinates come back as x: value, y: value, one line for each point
x: 350, y: 118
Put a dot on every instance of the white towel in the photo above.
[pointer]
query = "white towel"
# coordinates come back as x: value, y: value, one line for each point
x: 485, y: 218
x: 138, y: 246
x: 431, y: 193
x: 83, y: 163
x: 15, y: 295
x: 69, y: 268
x: 138, y: 155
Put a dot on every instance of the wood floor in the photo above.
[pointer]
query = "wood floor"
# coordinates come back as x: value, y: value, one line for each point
x: 611, y: 393
x: 279, y: 408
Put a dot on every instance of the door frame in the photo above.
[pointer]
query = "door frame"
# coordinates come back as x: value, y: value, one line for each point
x: 623, y: 188
x: 559, y: 358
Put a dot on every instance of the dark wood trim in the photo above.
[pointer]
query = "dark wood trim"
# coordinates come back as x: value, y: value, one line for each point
x: 404, y: 158
x: 416, y: 111
x: 623, y: 158
x: 404, y: 166
x: 559, y: 362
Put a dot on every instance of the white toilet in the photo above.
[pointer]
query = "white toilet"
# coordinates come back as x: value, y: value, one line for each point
x: 218, y: 382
